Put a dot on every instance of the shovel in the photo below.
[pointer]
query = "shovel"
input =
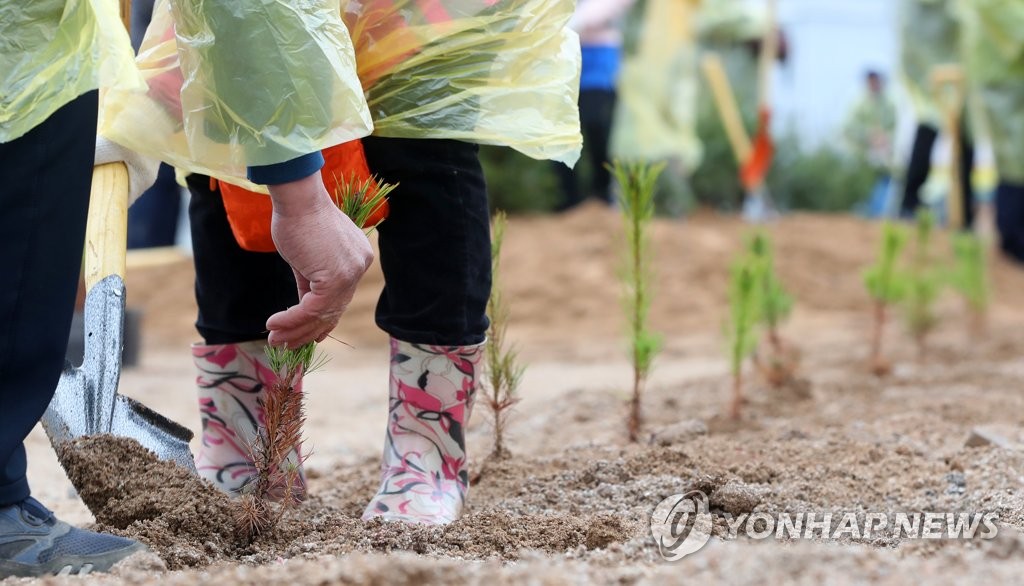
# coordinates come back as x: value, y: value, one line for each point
x: 86, y: 401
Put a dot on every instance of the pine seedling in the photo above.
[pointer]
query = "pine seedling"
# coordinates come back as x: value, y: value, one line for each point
x: 744, y: 316
x: 277, y: 474
x: 923, y: 283
x: 365, y: 201
x: 970, y: 278
x: 886, y: 286
x: 774, y: 307
x: 503, y: 370
x: 637, y: 182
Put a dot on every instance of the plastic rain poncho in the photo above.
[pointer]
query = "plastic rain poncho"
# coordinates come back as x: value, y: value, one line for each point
x: 502, y: 72
x: 655, y: 117
x: 930, y: 35
x: 52, y: 51
x: 994, y: 54
x: 240, y: 84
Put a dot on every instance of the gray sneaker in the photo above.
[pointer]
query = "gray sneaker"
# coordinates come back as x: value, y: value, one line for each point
x: 34, y: 543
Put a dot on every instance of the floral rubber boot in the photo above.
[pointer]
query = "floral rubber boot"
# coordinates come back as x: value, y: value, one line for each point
x: 232, y: 380
x: 423, y: 475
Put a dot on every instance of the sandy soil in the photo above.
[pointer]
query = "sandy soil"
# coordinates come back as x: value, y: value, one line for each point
x: 574, y: 503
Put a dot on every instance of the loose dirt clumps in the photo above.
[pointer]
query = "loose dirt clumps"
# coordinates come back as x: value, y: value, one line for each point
x: 185, y: 520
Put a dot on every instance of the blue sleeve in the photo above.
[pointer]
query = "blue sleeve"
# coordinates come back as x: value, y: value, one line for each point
x: 287, y: 171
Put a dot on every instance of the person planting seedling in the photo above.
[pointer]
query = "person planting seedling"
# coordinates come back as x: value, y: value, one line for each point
x: 774, y: 307
x: 744, y: 307
x: 276, y: 451
x: 886, y: 286
x: 503, y: 371
x: 638, y: 182
x: 970, y: 278
x: 923, y: 284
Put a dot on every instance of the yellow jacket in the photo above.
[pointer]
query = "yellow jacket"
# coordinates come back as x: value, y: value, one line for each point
x: 52, y: 51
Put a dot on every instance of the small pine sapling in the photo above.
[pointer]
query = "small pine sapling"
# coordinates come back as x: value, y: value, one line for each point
x: 275, y: 488
x: 637, y: 182
x: 775, y: 307
x: 744, y: 306
x: 970, y: 278
x: 886, y: 286
x: 503, y: 370
x: 923, y: 283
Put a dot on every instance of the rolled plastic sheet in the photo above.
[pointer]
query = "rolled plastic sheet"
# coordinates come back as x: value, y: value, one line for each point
x: 503, y: 73
x: 52, y: 51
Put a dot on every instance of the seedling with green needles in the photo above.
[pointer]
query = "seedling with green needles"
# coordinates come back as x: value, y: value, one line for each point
x: 923, y: 283
x: 503, y: 370
x: 774, y: 307
x: 637, y: 182
x: 744, y: 316
x: 276, y: 451
x: 970, y: 278
x: 886, y: 286
x: 277, y: 470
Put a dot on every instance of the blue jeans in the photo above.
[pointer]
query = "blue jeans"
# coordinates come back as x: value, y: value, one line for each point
x: 45, y: 177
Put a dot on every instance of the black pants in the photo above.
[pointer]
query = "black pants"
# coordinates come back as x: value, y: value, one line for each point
x: 1010, y: 219
x: 597, y: 108
x: 44, y: 196
x: 920, y: 166
x: 434, y: 251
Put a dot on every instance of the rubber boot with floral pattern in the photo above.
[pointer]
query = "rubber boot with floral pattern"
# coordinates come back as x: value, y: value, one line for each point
x: 232, y: 380
x: 424, y: 478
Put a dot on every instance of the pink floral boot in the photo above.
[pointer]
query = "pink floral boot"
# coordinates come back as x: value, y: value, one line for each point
x: 232, y: 379
x: 423, y: 475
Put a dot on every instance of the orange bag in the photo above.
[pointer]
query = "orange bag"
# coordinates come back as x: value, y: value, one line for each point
x: 249, y: 213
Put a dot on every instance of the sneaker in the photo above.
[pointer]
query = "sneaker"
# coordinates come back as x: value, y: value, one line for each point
x: 34, y: 543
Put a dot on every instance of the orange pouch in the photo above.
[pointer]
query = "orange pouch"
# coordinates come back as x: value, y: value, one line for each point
x: 249, y: 213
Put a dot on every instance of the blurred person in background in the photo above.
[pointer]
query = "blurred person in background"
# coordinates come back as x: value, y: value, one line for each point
x: 994, y: 58
x: 870, y: 131
x: 598, y: 23
x: 931, y: 35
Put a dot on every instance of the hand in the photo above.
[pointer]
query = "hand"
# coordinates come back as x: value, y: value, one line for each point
x: 328, y: 254
x: 142, y: 170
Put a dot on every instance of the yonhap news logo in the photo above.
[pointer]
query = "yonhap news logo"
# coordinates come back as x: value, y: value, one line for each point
x: 682, y: 523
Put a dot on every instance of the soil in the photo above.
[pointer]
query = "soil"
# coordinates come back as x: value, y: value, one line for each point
x: 573, y: 503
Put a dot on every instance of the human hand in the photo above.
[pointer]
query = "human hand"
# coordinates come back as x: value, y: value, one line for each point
x: 328, y: 254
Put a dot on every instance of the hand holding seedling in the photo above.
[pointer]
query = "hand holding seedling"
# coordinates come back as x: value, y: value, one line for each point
x: 328, y: 253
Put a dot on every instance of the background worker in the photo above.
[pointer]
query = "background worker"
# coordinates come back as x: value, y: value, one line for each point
x: 931, y: 35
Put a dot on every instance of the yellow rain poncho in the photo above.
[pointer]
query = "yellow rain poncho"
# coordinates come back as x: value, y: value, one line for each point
x: 931, y: 35
x: 52, y: 51
x: 493, y: 72
x: 994, y: 48
x: 656, y: 118
x: 236, y: 84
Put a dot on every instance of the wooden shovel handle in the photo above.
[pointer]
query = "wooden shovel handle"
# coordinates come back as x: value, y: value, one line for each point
x: 106, y: 233
x: 949, y: 83
x: 728, y: 110
x: 126, y: 14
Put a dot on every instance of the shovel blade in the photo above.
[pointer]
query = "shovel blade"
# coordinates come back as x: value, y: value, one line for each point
x: 165, y: 438
x: 86, y: 401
